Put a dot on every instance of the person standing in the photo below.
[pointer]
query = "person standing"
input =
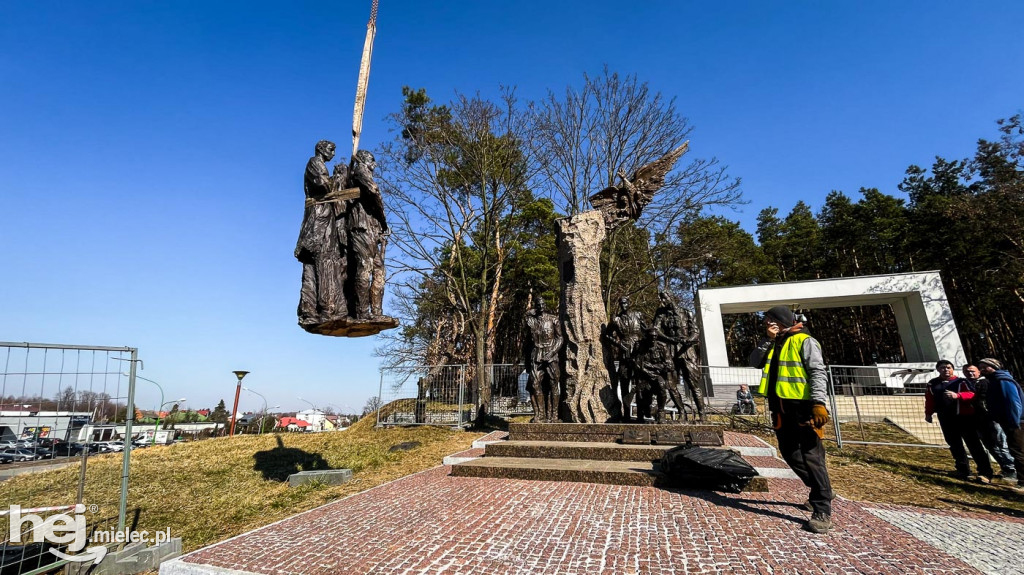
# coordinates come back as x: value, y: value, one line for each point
x: 793, y: 379
x: 992, y: 436
x: 1006, y: 405
x: 950, y: 397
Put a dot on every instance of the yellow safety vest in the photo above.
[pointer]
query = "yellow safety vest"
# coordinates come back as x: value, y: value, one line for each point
x: 792, y: 380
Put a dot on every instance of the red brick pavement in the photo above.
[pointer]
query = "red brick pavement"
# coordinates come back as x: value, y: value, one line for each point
x: 433, y: 523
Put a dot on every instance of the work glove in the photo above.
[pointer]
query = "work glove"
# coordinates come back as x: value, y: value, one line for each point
x: 819, y: 415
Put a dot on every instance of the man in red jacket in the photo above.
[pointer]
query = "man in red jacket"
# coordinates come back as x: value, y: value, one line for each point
x: 950, y: 397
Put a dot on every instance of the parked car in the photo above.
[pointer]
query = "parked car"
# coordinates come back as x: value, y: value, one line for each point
x: 19, y: 455
x: 115, y: 446
x: 65, y: 449
x: 97, y: 447
x: 6, y: 458
x: 40, y: 452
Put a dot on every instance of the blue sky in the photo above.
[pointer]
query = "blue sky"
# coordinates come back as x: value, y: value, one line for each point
x: 151, y: 153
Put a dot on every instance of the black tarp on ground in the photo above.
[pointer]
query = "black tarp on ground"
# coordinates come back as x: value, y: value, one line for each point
x: 705, y: 468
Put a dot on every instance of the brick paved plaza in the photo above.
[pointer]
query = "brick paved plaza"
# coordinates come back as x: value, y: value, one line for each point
x: 434, y: 523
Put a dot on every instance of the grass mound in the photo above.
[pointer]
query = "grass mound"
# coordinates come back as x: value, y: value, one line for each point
x: 206, y: 491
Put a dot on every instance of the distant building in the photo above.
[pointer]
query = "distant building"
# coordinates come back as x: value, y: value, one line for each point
x: 27, y: 422
x: 293, y: 424
x: 317, y: 419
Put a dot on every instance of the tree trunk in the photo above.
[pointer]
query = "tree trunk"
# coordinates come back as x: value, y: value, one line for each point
x: 589, y: 396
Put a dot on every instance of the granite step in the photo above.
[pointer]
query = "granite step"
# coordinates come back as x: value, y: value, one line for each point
x: 577, y: 450
x: 670, y: 433
x: 636, y: 473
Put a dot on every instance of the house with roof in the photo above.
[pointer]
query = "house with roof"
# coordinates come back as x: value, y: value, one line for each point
x: 317, y: 419
x: 293, y: 424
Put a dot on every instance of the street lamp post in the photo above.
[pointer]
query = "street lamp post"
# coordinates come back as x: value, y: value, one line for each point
x: 158, y: 386
x: 315, y: 408
x: 157, y: 426
x: 238, y: 390
x: 263, y: 414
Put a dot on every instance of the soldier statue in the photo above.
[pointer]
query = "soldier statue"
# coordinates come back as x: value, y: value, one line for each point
x: 679, y: 330
x: 653, y: 377
x: 625, y: 331
x: 542, y: 344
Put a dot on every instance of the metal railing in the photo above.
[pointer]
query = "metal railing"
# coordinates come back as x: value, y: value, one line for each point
x: 883, y: 405
x: 723, y: 382
x: 56, y: 403
x: 424, y: 395
x: 508, y: 390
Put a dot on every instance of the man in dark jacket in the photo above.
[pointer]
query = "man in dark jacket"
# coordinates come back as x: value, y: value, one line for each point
x: 1006, y: 405
x: 794, y: 381
x: 992, y: 436
x: 950, y: 397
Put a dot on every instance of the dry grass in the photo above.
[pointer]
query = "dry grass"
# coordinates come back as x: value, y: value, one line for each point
x: 209, y: 490
x: 920, y: 476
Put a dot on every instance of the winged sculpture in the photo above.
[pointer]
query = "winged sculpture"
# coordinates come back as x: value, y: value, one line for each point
x: 620, y: 204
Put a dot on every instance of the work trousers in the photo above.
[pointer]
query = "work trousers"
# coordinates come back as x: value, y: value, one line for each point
x: 803, y: 450
x: 1015, y: 441
x: 961, y: 429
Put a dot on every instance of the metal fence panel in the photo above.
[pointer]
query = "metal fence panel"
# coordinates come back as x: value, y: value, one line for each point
x: 508, y: 390
x: 883, y: 405
x: 425, y: 395
x: 57, y: 403
x: 723, y: 382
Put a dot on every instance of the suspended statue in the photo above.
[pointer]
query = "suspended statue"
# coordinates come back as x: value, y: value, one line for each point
x: 341, y: 247
x: 344, y: 233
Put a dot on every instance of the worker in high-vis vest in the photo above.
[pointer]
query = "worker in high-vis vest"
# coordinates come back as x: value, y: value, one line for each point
x: 793, y: 379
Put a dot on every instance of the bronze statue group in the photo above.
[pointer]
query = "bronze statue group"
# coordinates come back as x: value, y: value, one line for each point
x: 647, y: 361
x: 341, y: 242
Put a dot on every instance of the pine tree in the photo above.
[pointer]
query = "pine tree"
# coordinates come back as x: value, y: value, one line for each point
x: 220, y: 413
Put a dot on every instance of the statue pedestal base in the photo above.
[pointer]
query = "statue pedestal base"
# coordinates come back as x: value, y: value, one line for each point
x: 349, y: 327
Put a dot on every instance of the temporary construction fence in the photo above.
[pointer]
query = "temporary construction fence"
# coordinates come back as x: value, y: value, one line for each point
x: 424, y: 395
x: 508, y: 390
x: 56, y: 403
x: 722, y: 383
x: 883, y: 405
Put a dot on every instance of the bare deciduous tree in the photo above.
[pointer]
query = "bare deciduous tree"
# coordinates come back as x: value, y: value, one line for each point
x: 452, y: 179
x: 582, y: 140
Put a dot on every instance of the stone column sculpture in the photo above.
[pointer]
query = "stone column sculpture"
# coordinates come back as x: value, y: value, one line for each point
x: 589, y: 397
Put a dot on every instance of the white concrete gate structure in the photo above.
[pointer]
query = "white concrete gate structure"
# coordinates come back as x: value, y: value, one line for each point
x: 918, y: 300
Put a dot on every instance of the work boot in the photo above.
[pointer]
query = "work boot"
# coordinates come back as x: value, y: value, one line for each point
x: 1009, y: 476
x: 819, y: 523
